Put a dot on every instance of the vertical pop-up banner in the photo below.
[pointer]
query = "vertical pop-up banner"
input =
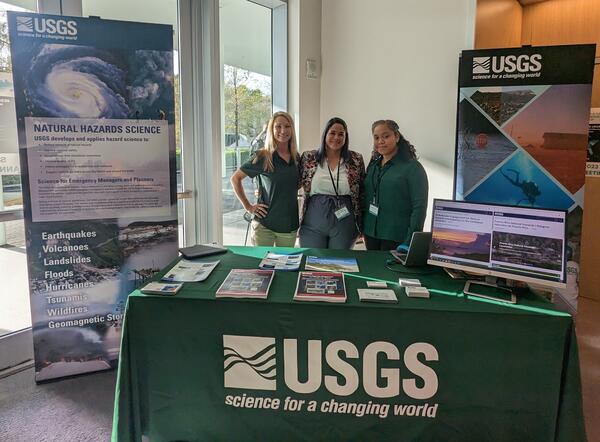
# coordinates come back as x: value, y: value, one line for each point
x: 95, y: 120
x: 522, y: 131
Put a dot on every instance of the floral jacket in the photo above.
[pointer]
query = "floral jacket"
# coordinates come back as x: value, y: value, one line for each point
x: 355, y: 168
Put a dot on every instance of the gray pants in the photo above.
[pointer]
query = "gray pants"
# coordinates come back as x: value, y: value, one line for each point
x: 321, y: 229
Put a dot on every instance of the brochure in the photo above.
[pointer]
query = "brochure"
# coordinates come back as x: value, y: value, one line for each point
x: 279, y: 261
x: 320, y: 286
x: 246, y: 283
x: 161, y: 288
x: 189, y: 271
x: 347, y: 265
x: 377, y: 295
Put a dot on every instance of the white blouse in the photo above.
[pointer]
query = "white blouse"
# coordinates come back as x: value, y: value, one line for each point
x: 321, y: 182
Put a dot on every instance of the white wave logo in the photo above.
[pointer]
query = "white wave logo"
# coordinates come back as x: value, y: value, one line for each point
x: 249, y: 362
x: 481, y: 65
x: 24, y: 24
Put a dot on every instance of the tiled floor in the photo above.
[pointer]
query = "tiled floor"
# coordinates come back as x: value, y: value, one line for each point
x: 588, y: 337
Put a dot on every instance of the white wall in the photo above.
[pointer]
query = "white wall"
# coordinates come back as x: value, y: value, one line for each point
x: 397, y: 59
x: 304, y: 30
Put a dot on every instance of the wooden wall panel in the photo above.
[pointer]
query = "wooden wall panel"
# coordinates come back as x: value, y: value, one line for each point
x: 572, y: 22
x: 498, y: 24
x: 589, y: 273
x: 556, y: 22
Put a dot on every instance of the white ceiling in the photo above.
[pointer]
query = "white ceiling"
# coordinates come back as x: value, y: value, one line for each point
x: 246, y: 35
x: 26, y: 4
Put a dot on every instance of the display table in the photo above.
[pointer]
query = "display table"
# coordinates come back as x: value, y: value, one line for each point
x: 448, y: 368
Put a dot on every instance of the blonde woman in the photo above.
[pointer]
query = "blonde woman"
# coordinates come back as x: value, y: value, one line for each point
x: 275, y: 168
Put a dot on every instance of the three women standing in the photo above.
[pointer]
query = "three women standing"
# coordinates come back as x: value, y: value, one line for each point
x: 332, y: 178
x: 387, y: 205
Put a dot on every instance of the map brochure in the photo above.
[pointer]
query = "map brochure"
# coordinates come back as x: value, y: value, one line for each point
x: 320, y: 286
x: 246, y: 283
x: 189, y: 271
x: 347, y: 265
x: 377, y: 295
x: 279, y: 261
x: 161, y: 288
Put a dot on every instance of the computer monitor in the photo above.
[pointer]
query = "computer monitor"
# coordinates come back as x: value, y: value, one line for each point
x: 513, y: 242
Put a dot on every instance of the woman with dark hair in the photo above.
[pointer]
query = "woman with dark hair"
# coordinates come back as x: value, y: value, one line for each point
x: 396, y: 188
x: 332, y: 179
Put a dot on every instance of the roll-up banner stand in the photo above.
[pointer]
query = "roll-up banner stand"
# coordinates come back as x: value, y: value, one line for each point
x: 522, y: 132
x: 96, y: 129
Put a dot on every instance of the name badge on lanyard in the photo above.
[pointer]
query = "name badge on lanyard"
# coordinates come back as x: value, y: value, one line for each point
x: 374, y: 206
x: 341, y: 210
x: 373, y: 209
x: 342, y: 213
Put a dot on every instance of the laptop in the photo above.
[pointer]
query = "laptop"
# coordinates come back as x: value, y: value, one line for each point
x: 201, y: 250
x: 418, y: 250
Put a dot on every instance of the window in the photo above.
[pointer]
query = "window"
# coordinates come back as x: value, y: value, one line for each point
x: 245, y: 34
x: 150, y: 11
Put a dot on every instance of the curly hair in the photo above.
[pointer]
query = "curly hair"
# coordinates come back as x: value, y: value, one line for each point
x: 403, y: 144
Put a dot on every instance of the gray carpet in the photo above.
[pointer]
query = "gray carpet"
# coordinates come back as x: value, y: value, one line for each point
x: 71, y: 410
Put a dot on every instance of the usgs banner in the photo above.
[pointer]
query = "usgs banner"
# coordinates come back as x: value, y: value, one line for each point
x: 95, y: 121
x: 522, y: 132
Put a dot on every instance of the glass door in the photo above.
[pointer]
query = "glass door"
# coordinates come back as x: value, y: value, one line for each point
x: 246, y: 45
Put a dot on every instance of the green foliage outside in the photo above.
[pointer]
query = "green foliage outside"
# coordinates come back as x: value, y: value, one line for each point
x: 246, y: 109
x: 5, y: 64
x: 231, y: 157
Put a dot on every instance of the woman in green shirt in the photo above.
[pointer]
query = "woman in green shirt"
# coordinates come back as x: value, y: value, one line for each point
x: 396, y: 190
x: 276, y: 169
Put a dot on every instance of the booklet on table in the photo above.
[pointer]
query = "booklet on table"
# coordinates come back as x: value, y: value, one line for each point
x: 161, y: 288
x: 246, y: 283
x: 189, y: 271
x: 347, y: 265
x: 280, y: 261
x: 320, y: 286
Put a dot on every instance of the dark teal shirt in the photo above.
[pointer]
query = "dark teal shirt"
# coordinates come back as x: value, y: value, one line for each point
x: 400, y: 190
x: 278, y: 190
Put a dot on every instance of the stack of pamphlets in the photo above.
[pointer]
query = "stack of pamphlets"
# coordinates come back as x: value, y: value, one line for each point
x: 189, y: 271
x: 377, y: 295
x: 246, y: 283
x: 279, y: 261
x: 320, y: 286
x: 347, y: 265
x: 161, y: 288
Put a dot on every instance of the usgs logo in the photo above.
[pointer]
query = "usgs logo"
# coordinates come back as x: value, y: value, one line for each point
x: 507, y: 64
x: 47, y: 26
x: 250, y: 362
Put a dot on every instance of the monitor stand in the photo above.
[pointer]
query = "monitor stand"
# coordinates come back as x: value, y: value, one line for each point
x: 490, y: 289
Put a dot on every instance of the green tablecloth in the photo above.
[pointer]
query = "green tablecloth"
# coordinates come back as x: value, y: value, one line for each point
x: 496, y: 372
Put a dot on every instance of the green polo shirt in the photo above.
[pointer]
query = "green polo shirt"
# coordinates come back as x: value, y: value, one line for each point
x: 278, y: 190
x: 399, y: 189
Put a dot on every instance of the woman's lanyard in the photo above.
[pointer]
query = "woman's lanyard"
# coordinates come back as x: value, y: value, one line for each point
x: 335, y: 187
x: 341, y: 210
x: 377, y: 184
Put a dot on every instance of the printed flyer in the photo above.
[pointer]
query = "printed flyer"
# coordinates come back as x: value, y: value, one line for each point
x: 96, y: 135
x: 593, y: 148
